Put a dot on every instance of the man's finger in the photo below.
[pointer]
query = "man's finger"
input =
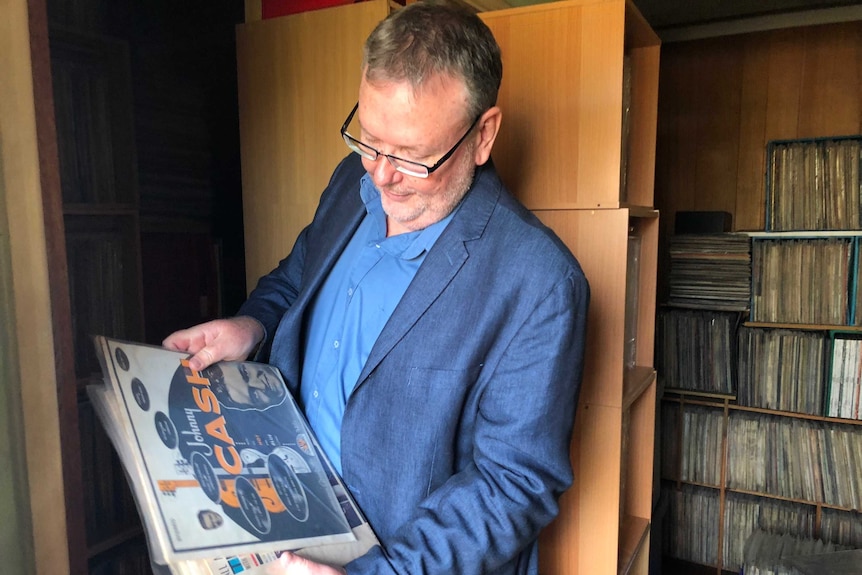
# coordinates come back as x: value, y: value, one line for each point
x: 202, y: 359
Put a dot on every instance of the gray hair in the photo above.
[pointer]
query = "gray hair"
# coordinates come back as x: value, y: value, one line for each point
x: 430, y: 37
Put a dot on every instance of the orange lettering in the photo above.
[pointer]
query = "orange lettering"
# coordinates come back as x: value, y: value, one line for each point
x: 234, y: 467
x: 216, y: 428
x: 206, y: 400
x: 194, y: 377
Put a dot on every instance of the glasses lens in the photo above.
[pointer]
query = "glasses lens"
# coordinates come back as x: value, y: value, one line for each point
x: 409, y: 168
x: 366, y: 152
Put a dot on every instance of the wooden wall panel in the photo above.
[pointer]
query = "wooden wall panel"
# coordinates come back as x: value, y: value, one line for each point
x: 718, y: 88
x: 826, y: 106
x: 721, y: 100
x: 751, y: 167
x: 784, y: 80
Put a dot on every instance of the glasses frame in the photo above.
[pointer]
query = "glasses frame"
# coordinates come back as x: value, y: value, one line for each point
x: 422, y: 171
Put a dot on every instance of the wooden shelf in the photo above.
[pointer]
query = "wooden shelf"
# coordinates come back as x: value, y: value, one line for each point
x: 805, y: 234
x: 762, y: 494
x: 634, y: 535
x: 713, y: 137
x: 635, y: 382
x: 804, y: 326
x: 700, y: 394
x: 725, y: 404
x: 99, y: 179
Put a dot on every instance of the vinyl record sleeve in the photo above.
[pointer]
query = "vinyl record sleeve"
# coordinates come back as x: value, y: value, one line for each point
x: 222, y: 463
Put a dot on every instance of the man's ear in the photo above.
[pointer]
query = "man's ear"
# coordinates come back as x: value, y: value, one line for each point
x: 488, y: 127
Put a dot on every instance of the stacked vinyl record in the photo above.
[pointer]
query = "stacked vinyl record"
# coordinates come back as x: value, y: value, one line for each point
x: 710, y: 271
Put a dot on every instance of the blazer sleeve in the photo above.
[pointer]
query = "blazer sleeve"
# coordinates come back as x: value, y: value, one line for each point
x: 484, y: 517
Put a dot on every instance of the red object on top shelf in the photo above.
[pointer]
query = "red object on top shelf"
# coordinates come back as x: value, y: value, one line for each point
x: 276, y: 8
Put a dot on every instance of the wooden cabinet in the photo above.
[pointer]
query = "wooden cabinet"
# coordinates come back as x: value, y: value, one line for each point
x: 577, y: 146
x: 566, y: 66
x: 298, y: 79
x: 604, y: 522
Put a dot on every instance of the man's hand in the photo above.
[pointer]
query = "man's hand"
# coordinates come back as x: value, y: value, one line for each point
x: 290, y: 564
x: 231, y: 339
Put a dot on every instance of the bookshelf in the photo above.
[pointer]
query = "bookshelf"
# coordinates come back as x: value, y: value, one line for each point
x: 578, y: 149
x: 768, y: 452
x: 97, y: 164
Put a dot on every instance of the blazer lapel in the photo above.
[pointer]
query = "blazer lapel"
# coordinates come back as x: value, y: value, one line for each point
x: 440, y: 267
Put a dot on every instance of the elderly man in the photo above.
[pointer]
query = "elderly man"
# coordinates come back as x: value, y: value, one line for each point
x: 431, y: 327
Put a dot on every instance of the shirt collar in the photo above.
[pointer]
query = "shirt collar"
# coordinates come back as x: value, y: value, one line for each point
x: 406, y: 246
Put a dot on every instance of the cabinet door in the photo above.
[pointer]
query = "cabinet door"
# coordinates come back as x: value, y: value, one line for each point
x: 298, y: 78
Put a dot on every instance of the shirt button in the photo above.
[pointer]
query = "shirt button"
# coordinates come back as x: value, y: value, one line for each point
x: 350, y: 291
x: 315, y: 394
x: 335, y: 344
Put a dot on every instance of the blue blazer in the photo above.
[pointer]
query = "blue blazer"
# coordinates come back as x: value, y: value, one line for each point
x: 455, y: 441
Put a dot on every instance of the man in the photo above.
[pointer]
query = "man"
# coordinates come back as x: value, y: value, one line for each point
x: 431, y: 326
x: 244, y: 388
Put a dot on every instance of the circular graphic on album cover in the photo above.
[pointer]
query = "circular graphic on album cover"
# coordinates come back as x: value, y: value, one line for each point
x: 252, y: 506
x: 166, y: 430
x: 288, y: 487
x: 206, y: 477
x: 122, y: 358
x: 139, y: 392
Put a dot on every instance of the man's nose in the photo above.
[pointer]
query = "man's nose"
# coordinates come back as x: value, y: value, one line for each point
x: 383, y: 172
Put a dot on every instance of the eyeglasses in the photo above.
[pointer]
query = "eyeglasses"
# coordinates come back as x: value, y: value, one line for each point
x: 408, y: 167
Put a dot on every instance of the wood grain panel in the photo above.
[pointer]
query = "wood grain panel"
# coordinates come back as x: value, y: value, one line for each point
x: 718, y: 89
x: 559, y: 545
x: 298, y: 78
x: 786, y: 59
x: 639, y: 455
x: 677, y: 139
x: 676, y: 142
x: 559, y: 144
x: 601, y: 105
x: 826, y: 106
x: 642, y: 138
x: 599, y: 489
x: 538, y: 137
x: 574, y: 543
x: 750, y: 182
x: 647, y: 228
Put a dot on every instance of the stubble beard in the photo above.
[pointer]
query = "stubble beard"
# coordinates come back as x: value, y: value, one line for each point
x: 420, y: 215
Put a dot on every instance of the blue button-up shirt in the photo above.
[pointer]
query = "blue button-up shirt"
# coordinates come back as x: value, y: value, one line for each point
x: 350, y: 310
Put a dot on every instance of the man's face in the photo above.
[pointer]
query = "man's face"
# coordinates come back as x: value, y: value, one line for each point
x: 419, y: 126
x: 260, y: 389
